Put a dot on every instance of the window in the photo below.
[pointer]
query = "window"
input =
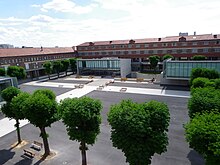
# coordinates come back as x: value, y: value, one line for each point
x: 205, y: 42
x: 184, y: 44
x: 138, y: 46
x: 133, y: 52
x: 194, y: 43
x: 146, y: 45
x: 129, y: 46
x: 206, y: 50
x: 194, y: 50
x: 154, y: 45
x: 184, y: 50
x: 164, y: 44
x: 174, y: 44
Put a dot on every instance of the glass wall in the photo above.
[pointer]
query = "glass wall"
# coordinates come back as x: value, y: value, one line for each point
x: 182, y: 69
x: 99, y: 64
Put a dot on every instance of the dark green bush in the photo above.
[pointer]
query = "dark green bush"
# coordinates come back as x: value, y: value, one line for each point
x: 199, y: 82
x: 204, y: 99
x: 203, y: 72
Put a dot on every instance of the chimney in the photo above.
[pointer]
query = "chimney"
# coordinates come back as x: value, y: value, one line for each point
x: 41, y: 48
x: 215, y: 36
x: 159, y: 39
x: 195, y: 33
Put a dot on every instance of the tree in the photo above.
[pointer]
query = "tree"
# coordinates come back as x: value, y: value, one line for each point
x: 203, y: 72
x: 199, y: 82
x: 57, y: 66
x: 203, y: 100
x: 139, y: 130
x: 48, y: 68
x: 16, y: 71
x: 198, y: 57
x: 41, y: 111
x: 10, y: 111
x: 50, y: 94
x: 154, y: 61
x: 82, y: 119
x: 73, y: 64
x: 203, y: 135
x: 65, y: 64
x: 2, y: 72
x: 167, y: 56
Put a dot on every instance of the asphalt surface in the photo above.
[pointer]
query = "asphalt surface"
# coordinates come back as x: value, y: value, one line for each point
x: 56, y: 90
x: 102, y: 152
x: 150, y: 85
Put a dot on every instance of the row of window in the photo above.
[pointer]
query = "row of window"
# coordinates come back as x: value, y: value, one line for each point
x: 31, y: 59
x: 183, y: 70
x: 171, y: 51
x: 172, y: 44
x: 110, y: 64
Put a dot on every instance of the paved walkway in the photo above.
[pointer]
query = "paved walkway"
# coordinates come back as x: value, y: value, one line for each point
x: 7, y: 126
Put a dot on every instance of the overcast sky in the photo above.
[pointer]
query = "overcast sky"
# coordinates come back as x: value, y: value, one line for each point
x: 52, y: 23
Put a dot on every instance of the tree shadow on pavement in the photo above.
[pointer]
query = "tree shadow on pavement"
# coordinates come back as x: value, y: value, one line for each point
x: 25, y: 161
x: 6, y: 155
x: 195, y: 158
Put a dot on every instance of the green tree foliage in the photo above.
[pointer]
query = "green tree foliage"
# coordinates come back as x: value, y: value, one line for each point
x: 73, y: 64
x: 203, y: 72
x: 10, y: 92
x: 41, y: 111
x: 57, y: 66
x: 48, y: 68
x: 65, y: 64
x: 16, y: 71
x: 82, y: 118
x: 167, y: 56
x: 154, y: 61
x: 139, y: 130
x: 203, y: 135
x: 199, y: 82
x: 8, y: 95
x: 198, y: 57
x: 50, y: 94
x: 217, y: 83
x: 202, y: 100
x: 2, y: 72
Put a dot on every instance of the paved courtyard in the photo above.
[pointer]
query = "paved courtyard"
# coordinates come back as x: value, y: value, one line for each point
x: 102, y: 152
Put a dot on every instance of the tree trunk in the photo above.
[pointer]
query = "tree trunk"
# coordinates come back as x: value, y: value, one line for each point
x: 49, y: 76
x: 18, y: 131
x: 45, y: 141
x: 58, y: 73
x: 83, y: 152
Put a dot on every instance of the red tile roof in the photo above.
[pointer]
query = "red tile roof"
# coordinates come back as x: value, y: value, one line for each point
x: 150, y: 40
x: 33, y: 51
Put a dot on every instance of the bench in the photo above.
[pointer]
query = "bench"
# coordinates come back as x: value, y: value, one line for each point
x: 37, y: 145
x: 123, y: 89
x: 124, y: 79
x: 81, y: 85
x: 139, y: 79
x: 29, y: 153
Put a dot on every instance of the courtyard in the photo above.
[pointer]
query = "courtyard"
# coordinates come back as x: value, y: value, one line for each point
x: 102, y: 152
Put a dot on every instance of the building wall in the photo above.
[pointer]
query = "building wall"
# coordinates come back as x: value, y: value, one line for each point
x: 125, y: 67
x: 179, y: 47
x: 32, y: 63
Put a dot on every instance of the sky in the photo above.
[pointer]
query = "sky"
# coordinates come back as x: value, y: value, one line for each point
x: 66, y: 23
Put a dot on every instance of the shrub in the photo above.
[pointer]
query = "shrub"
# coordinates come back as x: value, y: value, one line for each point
x: 203, y: 72
x: 203, y: 135
x: 204, y: 99
x: 199, y: 82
